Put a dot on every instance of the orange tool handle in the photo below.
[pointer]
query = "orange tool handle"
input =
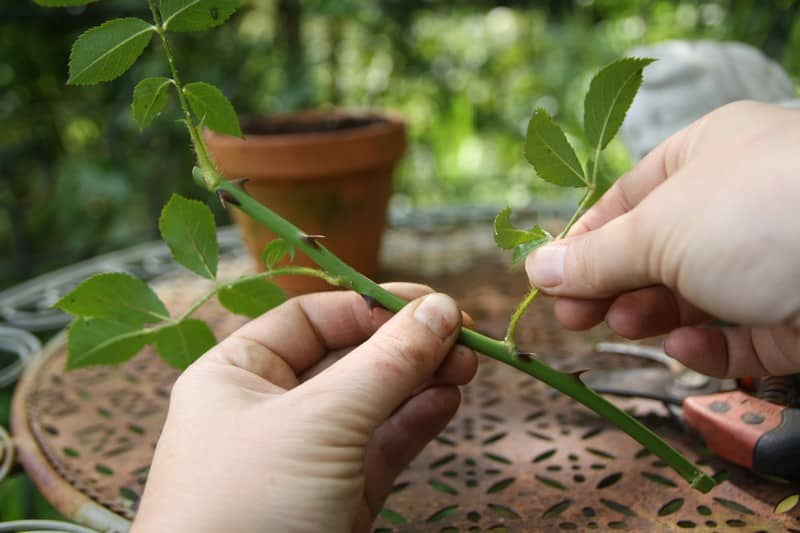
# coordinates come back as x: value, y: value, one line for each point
x: 753, y: 433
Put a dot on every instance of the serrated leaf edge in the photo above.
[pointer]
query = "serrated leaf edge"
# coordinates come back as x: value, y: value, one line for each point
x: 191, y: 95
x: 230, y: 288
x: 547, y: 115
x: 212, y: 274
x: 506, y: 214
x: 182, y: 337
x: 146, y: 123
x: 643, y: 61
x: 94, y: 277
x: 139, y: 331
x: 73, y: 77
x: 166, y: 22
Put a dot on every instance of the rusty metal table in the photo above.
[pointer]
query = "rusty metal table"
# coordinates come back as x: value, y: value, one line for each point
x: 517, y: 456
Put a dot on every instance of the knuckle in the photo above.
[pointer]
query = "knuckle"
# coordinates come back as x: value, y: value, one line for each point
x: 583, y: 273
x: 638, y: 234
x: 402, y: 354
x: 581, y: 268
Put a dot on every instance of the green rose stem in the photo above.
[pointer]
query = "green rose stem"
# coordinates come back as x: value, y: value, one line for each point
x: 341, y: 274
x: 567, y: 383
x: 203, y: 159
x: 510, y: 337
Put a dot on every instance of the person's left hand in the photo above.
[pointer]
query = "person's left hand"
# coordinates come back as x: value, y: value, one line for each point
x: 299, y: 421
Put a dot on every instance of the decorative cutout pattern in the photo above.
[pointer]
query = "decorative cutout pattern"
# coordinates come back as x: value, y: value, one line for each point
x: 517, y: 456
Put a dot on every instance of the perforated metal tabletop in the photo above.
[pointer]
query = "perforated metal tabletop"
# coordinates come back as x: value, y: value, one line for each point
x: 517, y: 457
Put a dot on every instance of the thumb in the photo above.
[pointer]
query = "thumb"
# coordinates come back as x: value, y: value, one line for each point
x: 596, y: 264
x: 382, y: 373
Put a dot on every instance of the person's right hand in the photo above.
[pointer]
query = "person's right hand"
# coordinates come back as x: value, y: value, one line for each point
x: 706, y: 226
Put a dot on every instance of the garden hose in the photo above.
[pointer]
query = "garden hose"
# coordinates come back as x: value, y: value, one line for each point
x: 43, y: 526
x: 21, y: 343
x: 6, y: 453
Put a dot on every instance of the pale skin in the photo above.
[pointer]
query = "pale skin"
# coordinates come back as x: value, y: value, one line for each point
x: 302, y: 419
x: 705, y: 227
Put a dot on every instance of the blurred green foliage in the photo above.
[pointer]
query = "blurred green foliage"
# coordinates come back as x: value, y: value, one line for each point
x: 77, y: 178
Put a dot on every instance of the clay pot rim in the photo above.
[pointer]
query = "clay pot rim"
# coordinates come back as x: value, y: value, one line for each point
x: 386, y: 123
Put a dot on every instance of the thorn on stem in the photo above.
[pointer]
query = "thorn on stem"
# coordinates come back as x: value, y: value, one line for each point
x: 578, y: 373
x: 372, y: 303
x: 311, y: 240
x: 225, y: 196
x: 240, y: 182
x: 525, y: 357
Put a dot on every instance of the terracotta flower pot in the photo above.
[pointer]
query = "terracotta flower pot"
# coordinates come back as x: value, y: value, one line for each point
x: 330, y: 173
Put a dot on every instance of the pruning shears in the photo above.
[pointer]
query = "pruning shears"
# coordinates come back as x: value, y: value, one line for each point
x: 753, y: 423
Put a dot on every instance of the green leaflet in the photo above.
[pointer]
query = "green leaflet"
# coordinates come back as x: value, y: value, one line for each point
x: 212, y: 108
x: 787, y: 504
x: 251, y: 297
x: 276, y: 250
x: 180, y: 345
x: 550, y: 153
x: 63, y: 3
x: 149, y: 98
x: 610, y: 94
x: 521, y: 252
x: 105, y: 52
x: 188, y: 228
x: 196, y: 15
x: 507, y: 236
x: 99, y: 341
x: 114, y: 296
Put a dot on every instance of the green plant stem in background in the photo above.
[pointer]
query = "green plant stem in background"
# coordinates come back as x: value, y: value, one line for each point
x: 567, y: 383
x: 210, y: 175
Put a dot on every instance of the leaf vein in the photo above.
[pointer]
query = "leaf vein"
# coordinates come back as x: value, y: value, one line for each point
x: 111, y: 50
x: 179, y: 11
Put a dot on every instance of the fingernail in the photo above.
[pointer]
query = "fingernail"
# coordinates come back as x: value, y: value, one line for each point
x: 545, y: 266
x: 439, y: 313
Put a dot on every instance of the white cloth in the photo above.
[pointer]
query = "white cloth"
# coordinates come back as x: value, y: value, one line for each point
x: 692, y: 78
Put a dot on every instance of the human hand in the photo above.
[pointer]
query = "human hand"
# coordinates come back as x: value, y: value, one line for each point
x: 302, y: 419
x: 704, y: 227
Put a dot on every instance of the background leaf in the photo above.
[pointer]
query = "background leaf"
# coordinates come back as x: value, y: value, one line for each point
x: 196, y: 15
x: 63, y: 3
x: 180, y: 345
x: 149, y: 98
x: 252, y: 297
x: 610, y: 95
x: 550, y: 153
x: 276, y: 250
x: 212, y: 108
x: 507, y: 236
x: 115, y: 296
x: 188, y: 228
x: 105, y: 52
x: 98, y: 341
